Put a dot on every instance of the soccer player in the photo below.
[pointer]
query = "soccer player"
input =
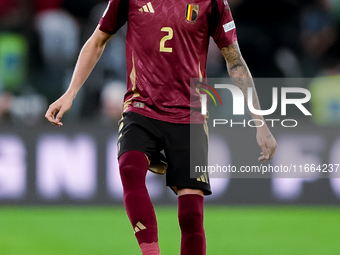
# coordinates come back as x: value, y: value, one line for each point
x: 166, y: 45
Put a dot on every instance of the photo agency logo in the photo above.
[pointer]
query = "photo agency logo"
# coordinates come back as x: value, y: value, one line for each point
x: 204, y: 96
x: 239, y: 104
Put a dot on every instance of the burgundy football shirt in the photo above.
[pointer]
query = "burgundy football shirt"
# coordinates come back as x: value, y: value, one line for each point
x: 166, y: 45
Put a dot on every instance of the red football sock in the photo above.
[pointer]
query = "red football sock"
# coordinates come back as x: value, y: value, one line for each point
x: 190, y: 216
x: 133, y: 166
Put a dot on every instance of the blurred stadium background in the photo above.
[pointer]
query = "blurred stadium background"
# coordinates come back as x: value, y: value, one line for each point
x: 60, y: 191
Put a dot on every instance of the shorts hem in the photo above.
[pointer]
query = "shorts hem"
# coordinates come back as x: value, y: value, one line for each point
x: 206, y: 191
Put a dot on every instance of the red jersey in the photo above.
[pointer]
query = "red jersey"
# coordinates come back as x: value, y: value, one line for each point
x: 166, y: 45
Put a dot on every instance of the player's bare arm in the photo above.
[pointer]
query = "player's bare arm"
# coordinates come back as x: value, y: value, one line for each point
x: 241, y: 77
x: 88, y: 57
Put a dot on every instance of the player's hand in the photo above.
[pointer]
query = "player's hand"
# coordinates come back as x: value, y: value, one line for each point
x: 56, y: 110
x: 267, y: 143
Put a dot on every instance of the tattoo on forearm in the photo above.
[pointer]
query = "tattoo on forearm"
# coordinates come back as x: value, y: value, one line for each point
x: 269, y: 136
x: 233, y: 57
x: 235, y: 67
x: 239, y: 73
x: 230, y: 52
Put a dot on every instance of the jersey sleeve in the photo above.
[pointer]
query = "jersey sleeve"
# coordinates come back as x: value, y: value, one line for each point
x: 223, y: 29
x: 115, y: 16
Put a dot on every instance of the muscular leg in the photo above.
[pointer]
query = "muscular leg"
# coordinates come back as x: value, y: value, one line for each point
x: 133, y: 166
x: 190, y: 216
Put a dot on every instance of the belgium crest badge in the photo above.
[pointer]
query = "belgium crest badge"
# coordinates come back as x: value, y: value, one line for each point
x: 191, y: 13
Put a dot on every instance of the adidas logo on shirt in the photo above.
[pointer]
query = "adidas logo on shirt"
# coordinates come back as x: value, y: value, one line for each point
x: 147, y: 8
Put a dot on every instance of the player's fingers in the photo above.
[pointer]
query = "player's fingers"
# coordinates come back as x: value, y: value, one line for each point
x: 50, y: 114
x: 265, y: 154
x: 262, y: 159
x: 60, y: 116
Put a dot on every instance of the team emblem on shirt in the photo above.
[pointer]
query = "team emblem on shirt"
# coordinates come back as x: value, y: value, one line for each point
x: 191, y: 13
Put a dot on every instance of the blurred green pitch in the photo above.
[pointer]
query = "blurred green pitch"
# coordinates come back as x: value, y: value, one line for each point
x: 251, y: 230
